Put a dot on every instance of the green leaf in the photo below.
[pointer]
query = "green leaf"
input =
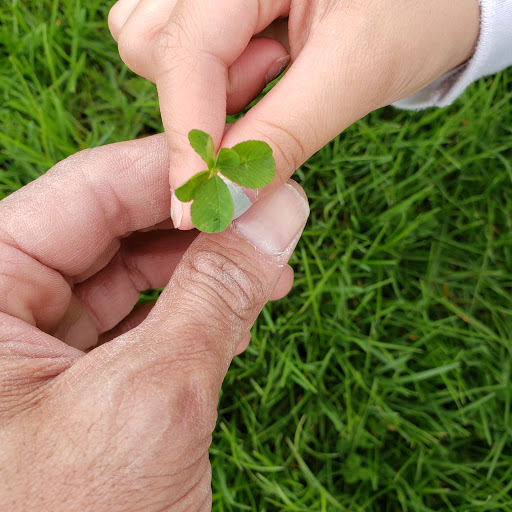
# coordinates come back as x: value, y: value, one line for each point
x: 212, y: 209
x: 203, y: 146
x: 188, y: 190
x: 227, y: 159
x: 257, y: 166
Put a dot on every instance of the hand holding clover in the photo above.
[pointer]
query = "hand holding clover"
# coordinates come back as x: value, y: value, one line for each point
x: 249, y: 164
x: 212, y: 57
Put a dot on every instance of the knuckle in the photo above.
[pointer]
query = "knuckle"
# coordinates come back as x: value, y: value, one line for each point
x: 134, y: 41
x: 288, y: 146
x: 128, y: 48
x: 170, y: 54
x: 165, y: 44
x: 193, y: 372
x: 178, y: 34
x: 184, y: 42
x: 132, y: 267
x: 228, y: 286
x: 198, y: 360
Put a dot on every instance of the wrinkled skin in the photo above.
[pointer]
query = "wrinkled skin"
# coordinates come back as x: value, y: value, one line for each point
x: 104, y: 407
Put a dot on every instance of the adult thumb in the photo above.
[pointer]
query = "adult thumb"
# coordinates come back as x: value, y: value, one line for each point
x: 152, y: 393
x: 224, y: 279
x: 185, y: 346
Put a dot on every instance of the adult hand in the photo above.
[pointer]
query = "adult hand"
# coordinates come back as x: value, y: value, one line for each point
x: 127, y: 425
x: 348, y: 58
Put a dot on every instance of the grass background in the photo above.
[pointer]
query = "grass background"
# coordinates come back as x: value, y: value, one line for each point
x: 382, y: 383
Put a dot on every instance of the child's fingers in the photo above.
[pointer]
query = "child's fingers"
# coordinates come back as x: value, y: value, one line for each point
x: 136, y: 24
x: 261, y: 62
x: 119, y: 14
x: 140, y: 29
x: 193, y: 54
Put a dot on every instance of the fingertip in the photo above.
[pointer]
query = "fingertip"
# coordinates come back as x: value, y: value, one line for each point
x: 242, y: 347
x: 186, y: 224
x: 113, y: 22
x: 284, y: 285
x: 261, y: 62
x: 180, y: 214
x: 118, y: 15
x: 298, y: 188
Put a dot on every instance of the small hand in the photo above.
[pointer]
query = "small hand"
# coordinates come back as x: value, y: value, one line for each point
x: 127, y: 424
x: 348, y: 58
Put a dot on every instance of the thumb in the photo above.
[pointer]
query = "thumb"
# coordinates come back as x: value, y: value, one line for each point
x: 174, y: 362
x: 225, y: 279
x: 151, y: 394
x: 301, y: 114
x: 211, y: 303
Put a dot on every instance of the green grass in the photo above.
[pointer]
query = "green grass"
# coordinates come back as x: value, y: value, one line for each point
x: 382, y: 383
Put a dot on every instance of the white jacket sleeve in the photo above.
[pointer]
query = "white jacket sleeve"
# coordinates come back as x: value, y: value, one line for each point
x: 493, y: 53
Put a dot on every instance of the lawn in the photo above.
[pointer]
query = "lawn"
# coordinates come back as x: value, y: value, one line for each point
x: 382, y: 382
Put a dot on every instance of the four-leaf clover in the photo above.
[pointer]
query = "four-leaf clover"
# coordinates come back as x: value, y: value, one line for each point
x: 249, y: 164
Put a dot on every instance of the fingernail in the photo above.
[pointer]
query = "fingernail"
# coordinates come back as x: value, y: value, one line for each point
x: 274, y: 224
x: 276, y: 68
x: 176, y: 210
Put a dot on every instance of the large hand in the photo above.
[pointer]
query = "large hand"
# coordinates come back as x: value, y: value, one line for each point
x: 348, y: 58
x: 126, y: 426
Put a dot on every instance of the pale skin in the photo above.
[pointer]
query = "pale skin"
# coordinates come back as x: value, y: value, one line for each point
x: 126, y: 425
x: 209, y: 57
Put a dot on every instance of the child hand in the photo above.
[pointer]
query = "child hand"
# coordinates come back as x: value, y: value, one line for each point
x: 347, y: 59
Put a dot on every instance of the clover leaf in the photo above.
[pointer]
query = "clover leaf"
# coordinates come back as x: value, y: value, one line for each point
x: 188, y: 190
x: 257, y: 166
x: 227, y: 159
x: 212, y: 209
x: 203, y: 146
x: 249, y: 164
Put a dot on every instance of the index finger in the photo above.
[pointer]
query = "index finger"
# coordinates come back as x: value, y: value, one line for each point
x: 192, y: 56
x: 67, y: 218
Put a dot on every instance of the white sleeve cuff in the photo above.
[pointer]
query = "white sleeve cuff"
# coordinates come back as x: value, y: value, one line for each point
x: 493, y: 53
